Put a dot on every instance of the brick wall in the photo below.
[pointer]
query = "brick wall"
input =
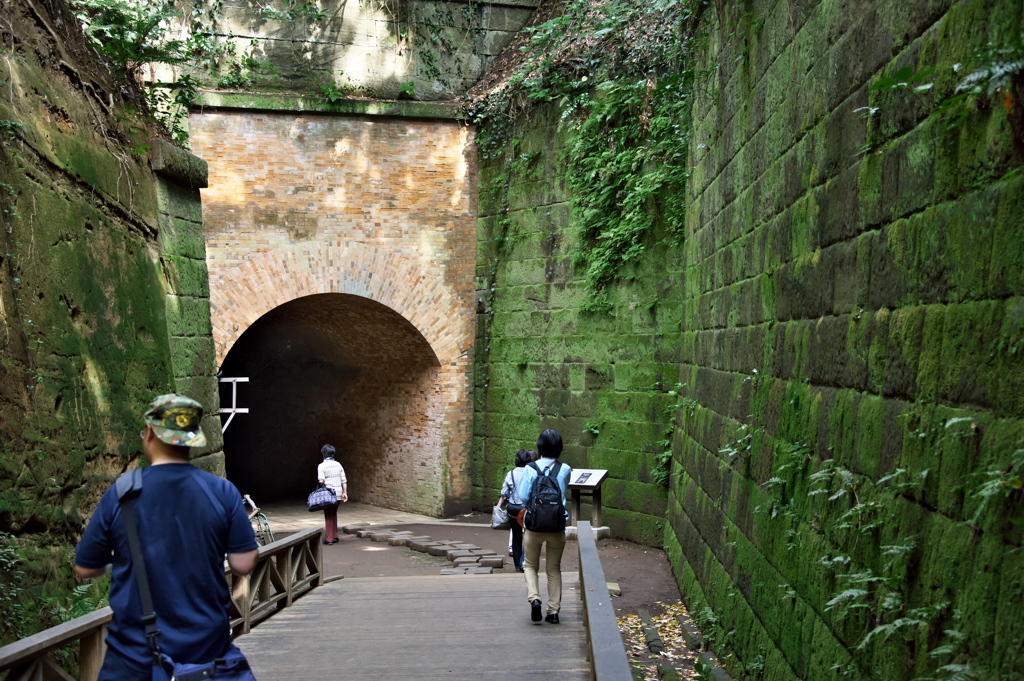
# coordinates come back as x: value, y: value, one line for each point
x: 374, y: 207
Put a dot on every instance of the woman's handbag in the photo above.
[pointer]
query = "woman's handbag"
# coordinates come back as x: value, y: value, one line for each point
x: 499, y: 518
x: 513, y: 509
x: 321, y: 498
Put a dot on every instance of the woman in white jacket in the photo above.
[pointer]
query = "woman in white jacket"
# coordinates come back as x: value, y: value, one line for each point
x: 510, y: 497
x: 332, y: 475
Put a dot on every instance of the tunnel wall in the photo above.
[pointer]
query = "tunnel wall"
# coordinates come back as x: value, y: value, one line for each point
x: 846, y: 303
x: 380, y: 207
x: 346, y: 371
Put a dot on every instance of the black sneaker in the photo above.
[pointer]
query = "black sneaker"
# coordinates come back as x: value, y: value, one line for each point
x: 535, y: 610
x: 552, y: 618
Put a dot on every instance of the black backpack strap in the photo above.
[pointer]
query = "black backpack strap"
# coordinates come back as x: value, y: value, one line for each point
x: 535, y: 467
x: 552, y: 470
x: 128, y: 488
x: 129, y: 484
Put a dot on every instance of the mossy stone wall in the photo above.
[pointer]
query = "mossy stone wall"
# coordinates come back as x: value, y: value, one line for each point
x: 422, y: 49
x: 103, y: 284
x: 541, y: 362
x: 847, y: 301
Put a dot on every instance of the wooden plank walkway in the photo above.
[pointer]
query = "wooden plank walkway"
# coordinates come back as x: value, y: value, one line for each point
x: 456, y: 628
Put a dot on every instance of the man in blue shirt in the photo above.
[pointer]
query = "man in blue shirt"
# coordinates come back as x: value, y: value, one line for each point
x: 185, y: 531
x: 549, y: 447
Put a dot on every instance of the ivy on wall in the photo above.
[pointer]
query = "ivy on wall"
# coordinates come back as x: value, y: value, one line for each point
x: 623, y: 75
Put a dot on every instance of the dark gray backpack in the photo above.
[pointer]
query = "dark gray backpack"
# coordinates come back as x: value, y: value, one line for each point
x: 545, y: 510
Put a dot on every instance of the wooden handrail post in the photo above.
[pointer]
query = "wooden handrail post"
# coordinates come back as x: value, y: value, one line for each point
x: 289, y: 576
x: 243, y: 600
x: 317, y: 544
x: 91, y: 650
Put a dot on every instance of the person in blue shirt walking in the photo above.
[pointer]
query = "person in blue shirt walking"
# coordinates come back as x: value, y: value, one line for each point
x: 549, y: 448
x: 185, y: 537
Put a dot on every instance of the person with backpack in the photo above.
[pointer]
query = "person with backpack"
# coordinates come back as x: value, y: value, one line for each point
x: 542, y: 491
x: 513, y: 504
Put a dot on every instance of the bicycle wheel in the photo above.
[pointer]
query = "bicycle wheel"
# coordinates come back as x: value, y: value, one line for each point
x: 261, y: 527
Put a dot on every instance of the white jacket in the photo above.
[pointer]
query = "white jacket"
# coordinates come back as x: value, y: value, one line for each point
x: 331, y: 473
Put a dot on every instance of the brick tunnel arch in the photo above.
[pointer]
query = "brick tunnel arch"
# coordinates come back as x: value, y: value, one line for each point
x: 351, y: 312
x: 340, y: 369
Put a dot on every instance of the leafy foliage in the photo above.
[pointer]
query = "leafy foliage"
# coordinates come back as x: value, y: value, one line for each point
x: 622, y: 75
x: 131, y: 33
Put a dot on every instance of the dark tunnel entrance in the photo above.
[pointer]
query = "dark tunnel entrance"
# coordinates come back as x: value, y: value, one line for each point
x: 339, y: 369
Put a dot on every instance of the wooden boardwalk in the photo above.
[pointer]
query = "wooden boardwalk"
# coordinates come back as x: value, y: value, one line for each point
x: 456, y: 628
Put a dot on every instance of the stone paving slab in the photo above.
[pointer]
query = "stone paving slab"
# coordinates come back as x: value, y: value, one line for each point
x: 466, y: 558
x: 492, y: 561
x: 421, y: 546
x: 438, y: 550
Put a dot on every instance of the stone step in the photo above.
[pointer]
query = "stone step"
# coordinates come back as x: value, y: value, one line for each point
x: 351, y: 528
x: 466, y: 562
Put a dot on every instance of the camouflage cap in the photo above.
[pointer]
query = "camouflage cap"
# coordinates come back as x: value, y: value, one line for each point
x: 175, y: 420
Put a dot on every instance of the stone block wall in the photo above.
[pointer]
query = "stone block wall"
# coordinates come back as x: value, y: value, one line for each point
x: 102, y: 303
x: 541, y: 362
x: 845, y: 316
x: 440, y: 48
x: 179, y: 177
x: 851, y: 305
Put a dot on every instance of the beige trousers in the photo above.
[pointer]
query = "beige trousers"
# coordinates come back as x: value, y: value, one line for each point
x: 531, y: 548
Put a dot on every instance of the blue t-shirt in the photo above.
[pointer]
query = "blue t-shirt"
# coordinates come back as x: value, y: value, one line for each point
x: 184, y: 539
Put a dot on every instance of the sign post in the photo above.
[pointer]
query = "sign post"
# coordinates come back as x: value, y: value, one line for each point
x: 587, y: 481
x: 234, y: 408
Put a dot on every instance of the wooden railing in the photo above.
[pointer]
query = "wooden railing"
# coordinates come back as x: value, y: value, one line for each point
x: 29, y: 659
x: 284, y: 571
x: 605, y: 651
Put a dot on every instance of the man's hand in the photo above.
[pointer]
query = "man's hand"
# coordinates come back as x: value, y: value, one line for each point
x: 88, y: 573
x: 243, y: 563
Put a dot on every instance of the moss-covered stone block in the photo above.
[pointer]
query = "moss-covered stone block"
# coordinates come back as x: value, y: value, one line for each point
x: 192, y: 356
x: 185, y: 276
x: 188, y: 316
x: 182, y: 237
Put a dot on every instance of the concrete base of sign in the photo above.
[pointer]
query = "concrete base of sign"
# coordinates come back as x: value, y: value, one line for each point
x: 603, y: 532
